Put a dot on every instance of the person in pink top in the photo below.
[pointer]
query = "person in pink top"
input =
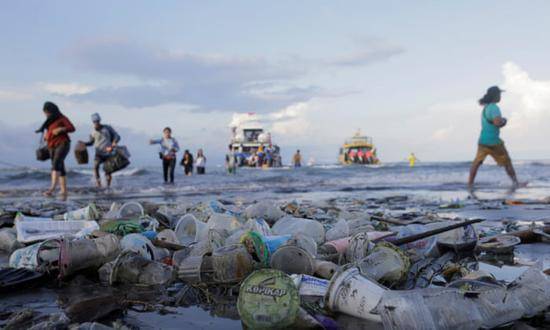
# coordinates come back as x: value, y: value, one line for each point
x: 368, y: 156
x: 352, y: 155
x: 360, y: 156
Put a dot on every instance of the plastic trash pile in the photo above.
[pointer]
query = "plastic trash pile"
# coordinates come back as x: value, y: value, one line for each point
x: 299, y: 265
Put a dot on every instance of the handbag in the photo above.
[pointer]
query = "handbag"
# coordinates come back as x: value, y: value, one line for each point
x: 42, y: 153
x: 118, y: 161
x: 81, y: 153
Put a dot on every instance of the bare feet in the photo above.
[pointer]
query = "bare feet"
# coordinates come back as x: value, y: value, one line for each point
x: 63, y: 196
x: 98, y: 183
x: 516, y: 185
x: 48, y: 193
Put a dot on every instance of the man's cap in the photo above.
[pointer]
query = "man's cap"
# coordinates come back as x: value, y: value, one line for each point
x: 96, y: 118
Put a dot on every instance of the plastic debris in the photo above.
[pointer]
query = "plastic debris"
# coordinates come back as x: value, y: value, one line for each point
x: 293, y: 260
x: 8, y: 240
x: 353, y: 293
x: 291, y: 225
x: 268, y: 298
x: 264, y: 210
x: 339, y: 230
x: 386, y: 264
x: 344, y: 262
x: 132, y: 268
x: 89, y: 212
x: 33, y: 231
x: 75, y: 255
x: 502, y: 244
x: 451, y: 308
x: 189, y: 230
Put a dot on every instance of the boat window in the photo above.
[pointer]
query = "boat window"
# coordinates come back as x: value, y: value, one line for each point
x: 252, y: 134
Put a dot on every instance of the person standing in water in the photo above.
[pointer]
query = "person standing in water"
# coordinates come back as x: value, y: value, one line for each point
x: 231, y: 161
x: 412, y: 159
x: 104, y: 139
x: 187, y: 163
x: 200, y: 162
x: 297, y: 159
x: 489, y: 143
x: 168, y: 149
x: 57, y: 128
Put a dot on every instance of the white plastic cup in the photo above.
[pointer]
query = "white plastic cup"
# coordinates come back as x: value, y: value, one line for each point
x: 352, y: 293
x: 189, y: 230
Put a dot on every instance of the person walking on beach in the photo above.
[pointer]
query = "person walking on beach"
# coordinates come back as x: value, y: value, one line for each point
x: 168, y: 149
x: 297, y: 159
x: 489, y: 143
x: 104, y: 139
x: 187, y: 163
x: 57, y: 128
x: 200, y: 162
x: 231, y: 161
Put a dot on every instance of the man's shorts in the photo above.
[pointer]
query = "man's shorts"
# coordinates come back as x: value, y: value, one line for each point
x: 498, y: 152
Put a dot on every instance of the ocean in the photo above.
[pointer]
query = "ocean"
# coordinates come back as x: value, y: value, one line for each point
x: 435, y: 181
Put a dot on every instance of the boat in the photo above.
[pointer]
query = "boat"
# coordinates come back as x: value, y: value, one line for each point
x: 359, y: 149
x: 252, y: 145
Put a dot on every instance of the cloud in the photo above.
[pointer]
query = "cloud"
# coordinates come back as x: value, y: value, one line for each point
x: 8, y: 95
x: 289, y: 121
x: 527, y: 98
x: 66, y: 89
x: 443, y: 133
x: 370, y: 50
x: 112, y: 56
x: 205, y: 82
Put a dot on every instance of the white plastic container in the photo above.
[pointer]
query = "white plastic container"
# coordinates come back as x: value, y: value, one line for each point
x: 32, y: 231
x: 189, y: 230
x: 305, y: 242
x: 130, y: 210
x: 89, y: 212
x: 258, y: 225
x: 292, y: 225
x: 339, y: 230
x: 223, y: 222
x: 310, y: 285
x: 352, y: 293
x: 168, y: 235
x: 138, y: 243
x: 22, y: 217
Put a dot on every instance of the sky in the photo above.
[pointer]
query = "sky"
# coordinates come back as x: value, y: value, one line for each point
x: 408, y: 73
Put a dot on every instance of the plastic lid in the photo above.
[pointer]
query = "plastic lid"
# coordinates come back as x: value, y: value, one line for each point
x: 268, y: 298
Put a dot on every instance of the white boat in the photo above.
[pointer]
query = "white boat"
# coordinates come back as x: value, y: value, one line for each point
x: 252, y: 145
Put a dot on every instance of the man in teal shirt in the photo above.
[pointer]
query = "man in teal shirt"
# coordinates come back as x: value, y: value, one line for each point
x: 489, y: 143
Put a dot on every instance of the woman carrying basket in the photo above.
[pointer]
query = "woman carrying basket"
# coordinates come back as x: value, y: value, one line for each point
x: 57, y: 128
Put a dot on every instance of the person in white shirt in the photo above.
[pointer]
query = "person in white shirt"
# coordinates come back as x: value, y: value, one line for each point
x: 200, y: 162
x: 168, y: 149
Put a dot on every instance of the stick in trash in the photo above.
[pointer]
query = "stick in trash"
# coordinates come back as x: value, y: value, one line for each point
x: 168, y: 245
x: 416, y: 237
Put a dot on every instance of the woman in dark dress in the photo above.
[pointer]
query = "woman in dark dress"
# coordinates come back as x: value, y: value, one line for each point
x: 187, y: 163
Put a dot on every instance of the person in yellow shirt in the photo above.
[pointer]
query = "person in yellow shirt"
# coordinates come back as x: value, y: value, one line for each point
x: 412, y: 159
x: 297, y: 159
